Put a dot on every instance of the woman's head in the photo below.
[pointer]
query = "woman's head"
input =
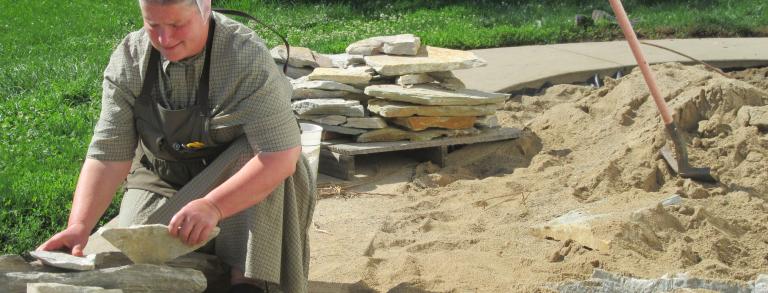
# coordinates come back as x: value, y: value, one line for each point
x: 178, y: 29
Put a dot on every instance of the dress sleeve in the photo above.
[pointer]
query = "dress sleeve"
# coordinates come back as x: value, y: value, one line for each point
x: 114, y: 137
x: 271, y: 125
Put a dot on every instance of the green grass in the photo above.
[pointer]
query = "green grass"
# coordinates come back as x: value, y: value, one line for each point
x: 52, y: 55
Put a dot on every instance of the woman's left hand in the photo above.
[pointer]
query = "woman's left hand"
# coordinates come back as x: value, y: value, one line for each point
x: 195, y: 221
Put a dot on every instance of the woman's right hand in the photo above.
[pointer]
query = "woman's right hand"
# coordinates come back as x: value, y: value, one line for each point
x: 73, y: 239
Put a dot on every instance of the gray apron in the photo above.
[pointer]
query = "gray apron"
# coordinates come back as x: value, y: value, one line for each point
x: 177, y: 160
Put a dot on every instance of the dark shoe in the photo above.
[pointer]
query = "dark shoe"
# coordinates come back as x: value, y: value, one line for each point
x: 245, y: 288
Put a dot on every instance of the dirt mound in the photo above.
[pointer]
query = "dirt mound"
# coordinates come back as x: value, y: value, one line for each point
x: 589, y: 154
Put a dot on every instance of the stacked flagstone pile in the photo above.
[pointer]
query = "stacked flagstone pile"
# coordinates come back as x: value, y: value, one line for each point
x: 390, y: 88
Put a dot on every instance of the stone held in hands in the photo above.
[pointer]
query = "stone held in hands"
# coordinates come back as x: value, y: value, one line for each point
x: 65, y: 260
x: 433, y: 95
x: 150, y: 244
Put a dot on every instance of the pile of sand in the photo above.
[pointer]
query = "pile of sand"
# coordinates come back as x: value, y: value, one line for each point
x: 589, y: 152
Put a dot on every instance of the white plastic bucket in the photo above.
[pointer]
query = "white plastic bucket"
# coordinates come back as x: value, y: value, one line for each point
x: 310, y: 144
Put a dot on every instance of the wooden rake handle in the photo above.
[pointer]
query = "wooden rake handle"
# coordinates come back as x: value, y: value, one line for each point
x: 634, y: 44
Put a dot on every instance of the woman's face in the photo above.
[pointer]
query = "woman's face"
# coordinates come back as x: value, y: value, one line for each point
x: 177, y: 31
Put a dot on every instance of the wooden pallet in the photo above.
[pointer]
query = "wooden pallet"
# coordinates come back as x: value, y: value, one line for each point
x: 337, y: 157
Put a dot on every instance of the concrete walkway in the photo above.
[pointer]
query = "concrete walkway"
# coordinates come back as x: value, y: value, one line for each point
x: 517, y: 68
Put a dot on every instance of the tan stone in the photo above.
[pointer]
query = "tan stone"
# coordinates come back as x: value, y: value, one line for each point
x: 151, y: 244
x: 418, y: 123
x: 395, y: 134
x: 412, y: 79
x: 405, y: 44
x: 490, y: 121
x: 13, y: 263
x: 301, y: 57
x: 366, y: 123
x: 433, y: 95
x: 429, y: 59
x: 578, y: 226
x: 447, y: 80
x: 397, y: 109
x: 351, y: 75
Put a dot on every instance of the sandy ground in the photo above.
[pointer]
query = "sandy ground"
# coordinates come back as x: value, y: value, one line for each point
x: 405, y: 226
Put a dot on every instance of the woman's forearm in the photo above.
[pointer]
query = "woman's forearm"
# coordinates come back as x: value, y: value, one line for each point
x: 95, y: 189
x: 255, y: 181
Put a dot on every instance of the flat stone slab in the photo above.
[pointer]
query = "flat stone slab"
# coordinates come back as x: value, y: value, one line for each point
x: 754, y: 116
x: 395, y: 134
x: 366, y: 123
x: 418, y: 123
x: 65, y: 260
x: 398, y: 109
x: 305, y: 83
x: 429, y: 59
x: 325, y: 119
x: 603, y: 281
x: 345, y: 60
x: 139, y: 278
x: 300, y: 57
x: 405, y: 44
x: 14, y: 263
x: 301, y: 94
x: 62, y: 288
x: 348, y: 108
x: 150, y: 244
x: 352, y: 75
x: 576, y: 225
x: 490, y: 121
x: 433, y: 95
x: 342, y: 130
x: 412, y: 79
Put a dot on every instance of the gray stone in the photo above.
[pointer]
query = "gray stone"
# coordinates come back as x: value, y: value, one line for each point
x: 412, y: 79
x: 428, y: 94
x: 301, y: 94
x: 131, y: 279
x: 305, y: 83
x: 345, y: 60
x: 429, y: 59
x: 215, y: 271
x: 62, y: 288
x: 151, y: 244
x: 366, y: 123
x: 761, y: 284
x: 485, y: 122
x: 110, y: 259
x: 603, y: 281
x: 395, y: 134
x: 349, y: 108
x: 352, y: 75
x: 293, y: 71
x: 342, y: 129
x: 405, y: 44
x: 300, y: 57
x: 672, y: 200
x: 325, y: 119
x: 64, y: 260
x: 448, y: 80
x: 397, y: 109
x: 754, y: 116
x: 14, y: 263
